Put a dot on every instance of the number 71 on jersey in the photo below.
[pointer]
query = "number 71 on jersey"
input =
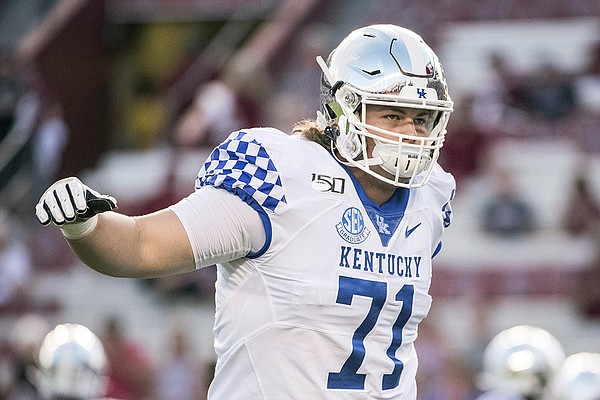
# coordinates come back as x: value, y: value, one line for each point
x: 348, y: 377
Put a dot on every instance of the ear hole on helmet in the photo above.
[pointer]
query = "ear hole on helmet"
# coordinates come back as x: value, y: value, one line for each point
x: 330, y: 112
x: 334, y: 110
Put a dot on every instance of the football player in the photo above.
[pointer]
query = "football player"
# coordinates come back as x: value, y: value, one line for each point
x: 521, y: 363
x: 579, y: 378
x: 323, y: 239
x: 71, y: 364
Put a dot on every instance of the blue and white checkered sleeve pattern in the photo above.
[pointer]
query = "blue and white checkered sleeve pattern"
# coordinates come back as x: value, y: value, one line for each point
x: 242, y: 166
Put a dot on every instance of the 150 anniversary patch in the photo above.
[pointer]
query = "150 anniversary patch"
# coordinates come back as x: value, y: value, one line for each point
x: 326, y: 183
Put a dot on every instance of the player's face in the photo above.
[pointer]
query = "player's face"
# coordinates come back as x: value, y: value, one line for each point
x: 409, y: 122
x: 405, y: 121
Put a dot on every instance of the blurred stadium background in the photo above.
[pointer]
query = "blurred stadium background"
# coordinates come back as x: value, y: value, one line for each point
x: 129, y: 95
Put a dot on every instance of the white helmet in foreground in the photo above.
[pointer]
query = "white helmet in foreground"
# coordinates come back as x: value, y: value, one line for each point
x: 390, y: 66
x: 522, y: 359
x: 579, y: 378
x: 72, y: 364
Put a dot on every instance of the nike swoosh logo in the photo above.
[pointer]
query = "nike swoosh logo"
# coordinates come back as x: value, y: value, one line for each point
x: 409, y: 232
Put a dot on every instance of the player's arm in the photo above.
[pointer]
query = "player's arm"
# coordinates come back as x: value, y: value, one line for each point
x: 115, y: 244
x: 137, y: 247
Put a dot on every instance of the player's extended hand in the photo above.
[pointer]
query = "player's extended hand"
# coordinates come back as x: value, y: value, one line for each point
x: 69, y: 200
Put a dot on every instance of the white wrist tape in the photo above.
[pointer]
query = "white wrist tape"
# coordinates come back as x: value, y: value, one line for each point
x: 79, y: 230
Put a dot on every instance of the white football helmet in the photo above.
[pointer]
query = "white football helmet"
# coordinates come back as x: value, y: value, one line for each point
x: 523, y: 359
x: 579, y: 378
x: 72, y: 364
x: 392, y: 66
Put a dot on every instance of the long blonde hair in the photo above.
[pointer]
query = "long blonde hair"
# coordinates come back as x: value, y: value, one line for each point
x: 310, y: 130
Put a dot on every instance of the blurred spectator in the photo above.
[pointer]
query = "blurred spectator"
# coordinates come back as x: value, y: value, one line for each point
x: 443, y: 374
x: 432, y: 349
x: 465, y: 143
x: 180, y: 376
x: 215, y: 112
x: 9, y: 92
x: 550, y: 98
x: 497, y: 109
x: 508, y: 82
x: 49, y: 141
x: 196, y: 285
x: 131, y: 373
x: 15, y: 266
x: 457, y: 381
x: 506, y: 213
x: 482, y: 314
x: 24, y: 122
x: 26, y: 338
x: 582, y: 215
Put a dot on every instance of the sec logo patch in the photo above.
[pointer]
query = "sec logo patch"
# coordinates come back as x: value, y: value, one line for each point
x: 352, y: 227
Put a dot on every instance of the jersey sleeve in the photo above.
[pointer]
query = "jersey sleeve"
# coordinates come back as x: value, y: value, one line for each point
x: 443, y: 188
x: 243, y: 166
x: 219, y: 226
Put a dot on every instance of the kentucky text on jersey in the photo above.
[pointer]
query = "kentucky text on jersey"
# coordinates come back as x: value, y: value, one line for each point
x: 381, y: 263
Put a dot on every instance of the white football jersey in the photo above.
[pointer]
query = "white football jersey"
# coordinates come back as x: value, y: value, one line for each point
x: 329, y: 307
